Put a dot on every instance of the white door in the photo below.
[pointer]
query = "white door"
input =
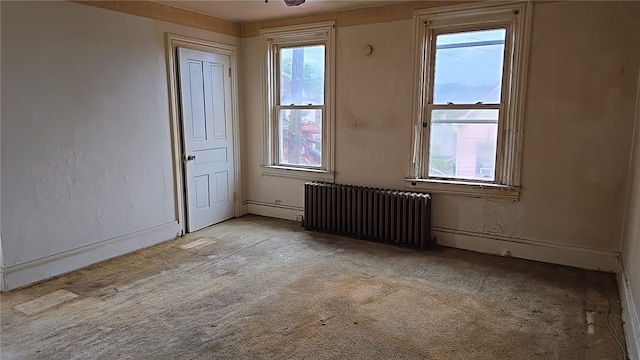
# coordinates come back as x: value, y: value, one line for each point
x: 205, y: 102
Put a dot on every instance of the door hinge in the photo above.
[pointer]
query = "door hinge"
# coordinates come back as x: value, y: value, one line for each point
x: 229, y: 71
x: 424, y: 124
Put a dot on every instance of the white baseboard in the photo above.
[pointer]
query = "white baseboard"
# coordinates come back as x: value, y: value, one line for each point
x: 629, y: 314
x: 37, y: 270
x: 571, y: 255
x: 280, y: 211
x: 577, y: 256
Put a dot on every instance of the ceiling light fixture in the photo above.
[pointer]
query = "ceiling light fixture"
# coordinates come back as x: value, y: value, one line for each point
x: 290, y: 2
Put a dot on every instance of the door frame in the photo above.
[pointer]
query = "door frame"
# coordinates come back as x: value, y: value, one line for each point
x: 173, y: 41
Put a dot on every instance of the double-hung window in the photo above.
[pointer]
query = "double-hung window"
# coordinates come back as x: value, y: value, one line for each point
x: 299, y: 113
x: 470, y: 69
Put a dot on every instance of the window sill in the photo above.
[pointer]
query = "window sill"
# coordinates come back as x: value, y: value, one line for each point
x: 464, y: 188
x: 298, y: 173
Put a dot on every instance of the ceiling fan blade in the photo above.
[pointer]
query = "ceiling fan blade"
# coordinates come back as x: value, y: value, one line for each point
x: 294, y: 2
x: 290, y: 2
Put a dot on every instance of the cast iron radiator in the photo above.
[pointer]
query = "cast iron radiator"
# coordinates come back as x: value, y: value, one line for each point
x: 389, y: 216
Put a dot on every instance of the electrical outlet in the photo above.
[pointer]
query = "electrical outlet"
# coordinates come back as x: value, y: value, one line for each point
x: 299, y: 218
x: 505, y: 253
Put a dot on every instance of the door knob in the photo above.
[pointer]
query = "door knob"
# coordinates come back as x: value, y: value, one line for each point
x: 189, y: 157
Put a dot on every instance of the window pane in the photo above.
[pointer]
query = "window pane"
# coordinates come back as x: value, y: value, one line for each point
x: 302, y: 75
x: 300, y: 137
x: 463, y: 149
x: 468, y: 67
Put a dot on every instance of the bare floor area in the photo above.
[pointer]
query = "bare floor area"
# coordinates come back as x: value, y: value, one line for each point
x: 260, y: 288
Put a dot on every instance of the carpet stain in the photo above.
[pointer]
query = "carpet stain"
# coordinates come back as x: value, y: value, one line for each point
x: 265, y: 289
x: 45, y: 302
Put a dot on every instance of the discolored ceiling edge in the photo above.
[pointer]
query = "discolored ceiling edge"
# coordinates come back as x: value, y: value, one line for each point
x: 360, y: 16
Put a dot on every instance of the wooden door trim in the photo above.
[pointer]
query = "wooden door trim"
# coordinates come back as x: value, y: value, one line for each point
x: 174, y: 41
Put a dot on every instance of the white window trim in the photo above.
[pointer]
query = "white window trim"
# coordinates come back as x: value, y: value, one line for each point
x: 292, y: 35
x: 508, y: 162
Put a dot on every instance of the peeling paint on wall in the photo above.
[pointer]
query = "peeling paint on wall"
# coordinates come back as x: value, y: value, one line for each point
x: 501, y: 217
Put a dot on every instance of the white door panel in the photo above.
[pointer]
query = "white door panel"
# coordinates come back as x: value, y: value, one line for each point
x: 205, y: 100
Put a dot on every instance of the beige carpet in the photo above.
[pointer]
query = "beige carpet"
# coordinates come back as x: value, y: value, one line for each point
x: 258, y: 288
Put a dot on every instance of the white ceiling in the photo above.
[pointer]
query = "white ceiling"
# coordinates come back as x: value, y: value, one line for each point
x: 254, y: 10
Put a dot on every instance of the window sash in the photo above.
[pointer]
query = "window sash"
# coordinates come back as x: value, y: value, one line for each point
x: 455, y: 122
x: 431, y: 32
x: 277, y: 156
x: 276, y: 50
x: 430, y: 108
x: 278, y: 126
x: 277, y: 108
x: 277, y: 151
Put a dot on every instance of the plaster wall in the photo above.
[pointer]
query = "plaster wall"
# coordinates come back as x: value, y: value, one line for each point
x: 86, y: 143
x: 577, y: 140
x: 630, y: 252
x: 1, y: 256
